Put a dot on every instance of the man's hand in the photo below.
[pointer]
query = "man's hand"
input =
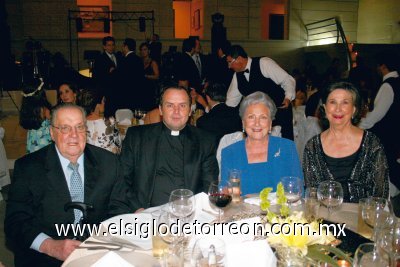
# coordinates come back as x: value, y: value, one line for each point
x: 59, y: 249
x: 139, y: 210
x: 285, y: 103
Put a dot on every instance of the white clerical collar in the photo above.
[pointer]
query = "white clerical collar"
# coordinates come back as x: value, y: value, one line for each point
x: 175, y: 133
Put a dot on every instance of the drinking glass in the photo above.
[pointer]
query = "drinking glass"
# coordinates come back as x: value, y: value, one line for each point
x: 293, y: 188
x: 220, y: 195
x: 311, y: 203
x: 377, y: 213
x: 209, y: 251
x: 330, y: 194
x: 182, y: 203
x: 234, y: 179
x: 367, y: 255
x: 396, y: 245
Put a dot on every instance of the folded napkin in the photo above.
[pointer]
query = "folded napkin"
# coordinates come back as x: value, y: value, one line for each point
x: 272, y: 198
x: 111, y: 259
x: 129, y: 228
x: 205, y: 213
x: 257, y: 253
x: 125, y: 122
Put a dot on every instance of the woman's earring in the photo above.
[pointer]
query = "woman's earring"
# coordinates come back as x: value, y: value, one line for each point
x: 243, y: 130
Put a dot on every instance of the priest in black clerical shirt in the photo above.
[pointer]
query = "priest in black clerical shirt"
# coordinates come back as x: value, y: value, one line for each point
x: 165, y: 156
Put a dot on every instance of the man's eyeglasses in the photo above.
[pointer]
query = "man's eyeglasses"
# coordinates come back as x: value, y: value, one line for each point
x: 230, y: 62
x: 66, y: 129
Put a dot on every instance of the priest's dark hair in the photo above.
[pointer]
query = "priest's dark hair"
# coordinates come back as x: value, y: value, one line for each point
x: 236, y: 51
x: 172, y: 85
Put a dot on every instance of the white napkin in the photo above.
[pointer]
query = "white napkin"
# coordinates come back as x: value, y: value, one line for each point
x: 136, y: 229
x: 258, y: 253
x: 272, y: 198
x: 125, y: 122
x: 204, y: 212
x: 111, y: 259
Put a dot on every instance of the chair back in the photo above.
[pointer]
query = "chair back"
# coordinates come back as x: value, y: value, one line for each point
x: 122, y: 115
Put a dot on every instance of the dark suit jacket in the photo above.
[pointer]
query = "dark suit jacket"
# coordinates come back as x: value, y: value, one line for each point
x: 129, y: 93
x: 140, y: 154
x: 39, y: 192
x: 220, y: 120
x: 186, y: 69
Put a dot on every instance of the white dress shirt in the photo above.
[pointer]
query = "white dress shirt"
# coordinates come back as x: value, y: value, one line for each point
x: 113, y: 58
x: 269, y: 69
x: 383, y: 101
x: 37, y: 242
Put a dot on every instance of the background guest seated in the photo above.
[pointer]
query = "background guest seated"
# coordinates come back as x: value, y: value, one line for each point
x: 101, y: 131
x: 221, y: 119
x: 344, y: 152
x: 35, y: 116
x: 263, y: 159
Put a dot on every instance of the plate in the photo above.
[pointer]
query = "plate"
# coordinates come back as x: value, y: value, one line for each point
x: 134, y: 258
x: 132, y: 228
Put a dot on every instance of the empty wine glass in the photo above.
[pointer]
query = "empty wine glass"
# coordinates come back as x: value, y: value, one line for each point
x: 182, y: 203
x: 293, y: 187
x: 220, y: 195
x: 330, y: 194
x: 377, y: 213
x: 367, y: 255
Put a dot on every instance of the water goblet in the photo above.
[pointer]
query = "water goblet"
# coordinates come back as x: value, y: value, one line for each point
x: 220, y: 195
x: 293, y: 187
x: 377, y: 213
x: 368, y: 255
x: 182, y: 203
x: 330, y: 194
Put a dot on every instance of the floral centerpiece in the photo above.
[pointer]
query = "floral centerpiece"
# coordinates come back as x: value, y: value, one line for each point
x: 307, y: 238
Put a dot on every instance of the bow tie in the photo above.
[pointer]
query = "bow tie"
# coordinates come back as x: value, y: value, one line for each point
x: 246, y: 71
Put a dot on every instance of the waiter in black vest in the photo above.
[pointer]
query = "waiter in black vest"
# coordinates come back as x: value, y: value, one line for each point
x: 262, y: 74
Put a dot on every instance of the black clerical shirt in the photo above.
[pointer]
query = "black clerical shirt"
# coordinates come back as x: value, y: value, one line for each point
x: 169, y: 171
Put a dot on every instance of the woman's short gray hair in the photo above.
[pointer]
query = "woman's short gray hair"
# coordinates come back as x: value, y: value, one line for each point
x: 256, y: 98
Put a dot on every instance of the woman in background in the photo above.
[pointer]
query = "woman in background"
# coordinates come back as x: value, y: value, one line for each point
x: 101, y: 131
x: 35, y: 116
x: 151, y: 73
x: 344, y: 152
x: 67, y: 93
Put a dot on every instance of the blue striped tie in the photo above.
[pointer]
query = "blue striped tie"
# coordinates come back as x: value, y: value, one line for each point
x: 76, y: 189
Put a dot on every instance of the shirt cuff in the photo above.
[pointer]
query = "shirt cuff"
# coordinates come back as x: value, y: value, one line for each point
x: 38, y: 241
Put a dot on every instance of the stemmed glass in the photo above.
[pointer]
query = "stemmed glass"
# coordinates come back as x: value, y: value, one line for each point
x: 220, y: 195
x: 330, y: 194
x: 367, y: 255
x: 182, y: 203
x: 293, y: 188
x: 377, y: 213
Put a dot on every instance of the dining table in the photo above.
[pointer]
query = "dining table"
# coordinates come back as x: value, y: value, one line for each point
x: 94, y: 248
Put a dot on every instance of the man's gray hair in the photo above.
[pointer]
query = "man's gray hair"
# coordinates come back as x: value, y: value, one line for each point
x: 256, y: 98
x: 62, y: 106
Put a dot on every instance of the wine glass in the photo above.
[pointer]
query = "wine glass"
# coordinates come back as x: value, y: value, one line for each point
x: 220, y: 195
x: 367, y: 255
x: 182, y: 203
x: 293, y: 187
x: 377, y: 213
x: 330, y: 194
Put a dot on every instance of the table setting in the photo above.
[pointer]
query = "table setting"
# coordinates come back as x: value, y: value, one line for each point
x: 154, y: 237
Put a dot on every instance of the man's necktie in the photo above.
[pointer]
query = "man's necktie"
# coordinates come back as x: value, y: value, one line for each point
x: 76, y: 189
x: 114, y: 59
x: 198, y: 63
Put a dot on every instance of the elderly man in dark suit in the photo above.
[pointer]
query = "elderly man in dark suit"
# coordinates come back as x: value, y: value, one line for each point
x: 44, y: 181
x: 159, y: 158
x: 221, y: 119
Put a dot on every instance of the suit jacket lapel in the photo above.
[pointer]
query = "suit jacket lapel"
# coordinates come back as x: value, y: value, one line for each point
x: 55, y: 175
x: 91, y: 174
x: 191, y: 150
